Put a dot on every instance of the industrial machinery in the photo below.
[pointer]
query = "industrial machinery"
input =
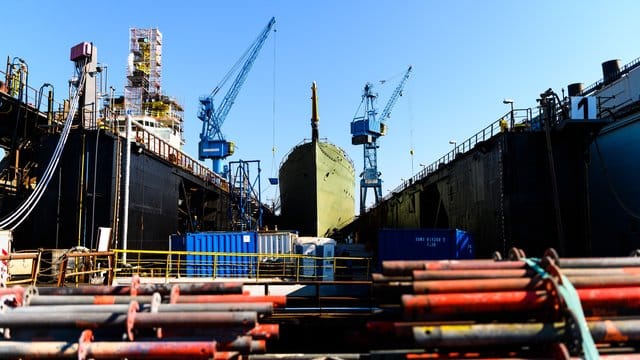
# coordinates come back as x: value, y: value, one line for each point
x: 212, y: 143
x: 366, y: 130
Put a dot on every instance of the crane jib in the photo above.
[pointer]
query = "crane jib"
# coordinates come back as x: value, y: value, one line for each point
x: 212, y: 144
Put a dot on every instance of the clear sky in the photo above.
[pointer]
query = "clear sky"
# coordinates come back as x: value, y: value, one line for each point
x: 467, y: 56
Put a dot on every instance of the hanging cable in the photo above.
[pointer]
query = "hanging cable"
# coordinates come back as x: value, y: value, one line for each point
x: 17, y: 217
x: 273, y: 107
x: 411, y: 148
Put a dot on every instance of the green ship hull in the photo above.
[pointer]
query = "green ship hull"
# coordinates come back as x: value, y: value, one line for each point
x: 317, y: 184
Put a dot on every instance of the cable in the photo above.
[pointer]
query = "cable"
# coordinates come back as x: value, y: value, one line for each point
x: 13, y: 220
x: 273, y: 126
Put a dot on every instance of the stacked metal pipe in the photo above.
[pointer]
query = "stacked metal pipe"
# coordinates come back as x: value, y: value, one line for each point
x: 547, y: 307
x: 186, y: 321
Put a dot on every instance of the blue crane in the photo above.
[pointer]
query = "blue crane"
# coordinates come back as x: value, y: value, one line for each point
x: 212, y: 143
x: 366, y: 130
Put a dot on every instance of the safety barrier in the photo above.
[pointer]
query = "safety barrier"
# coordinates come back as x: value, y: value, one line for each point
x: 84, y: 265
x: 29, y: 264
x: 78, y: 265
x: 215, y: 265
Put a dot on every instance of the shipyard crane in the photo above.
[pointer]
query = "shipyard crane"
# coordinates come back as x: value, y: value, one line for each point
x: 212, y: 143
x: 366, y: 130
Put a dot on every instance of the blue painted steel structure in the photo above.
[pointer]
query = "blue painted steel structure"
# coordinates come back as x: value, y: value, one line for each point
x: 366, y: 130
x: 212, y: 143
x: 245, y: 211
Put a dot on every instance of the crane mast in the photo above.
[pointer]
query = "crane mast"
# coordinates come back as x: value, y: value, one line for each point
x: 366, y: 130
x: 212, y: 142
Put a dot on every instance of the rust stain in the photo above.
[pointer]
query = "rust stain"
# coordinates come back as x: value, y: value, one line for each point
x: 612, y: 334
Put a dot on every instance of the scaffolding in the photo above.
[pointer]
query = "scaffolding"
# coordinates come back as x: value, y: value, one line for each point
x: 145, y: 45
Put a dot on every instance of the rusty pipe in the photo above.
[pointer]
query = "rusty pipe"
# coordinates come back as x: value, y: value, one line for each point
x: 278, y: 301
x: 260, y: 308
x: 512, y: 284
x: 612, y: 299
x: 612, y: 271
x: 463, y: 335
x: 405, y: 267
x: 39, y: 300
x: 470, y: 274
x: 476, y: 285
x: 457, y: 303
x: 109, y: 350
x: 141, y: 320
x: 265, y: 331
x: 604, y: 281
x: 598, y: 262
x: 244, y: 345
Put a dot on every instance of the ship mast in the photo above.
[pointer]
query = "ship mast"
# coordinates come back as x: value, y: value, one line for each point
x: 314, y: 112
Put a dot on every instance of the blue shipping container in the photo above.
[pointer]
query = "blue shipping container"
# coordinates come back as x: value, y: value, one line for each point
x: 229, y: 263
x: 424, y: 244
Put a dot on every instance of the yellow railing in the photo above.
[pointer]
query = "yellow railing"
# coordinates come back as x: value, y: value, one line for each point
x: 169, y: 265
x: 86, y: 264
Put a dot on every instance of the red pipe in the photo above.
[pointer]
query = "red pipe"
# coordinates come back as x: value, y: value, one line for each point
x: 607, y: 262
x: 110, y: 350
x: 601, y: 272
x: 610, y: 299
x: 512, y: 284
x: 470, y: 274
x: 278, y: 301
x: 477, y: 285
x: 17, y: 291
x: 405, y: 267
x: 265, y: 331
x: 604, y: 281
x: 245, y: 345
x: 14, y: 290
x: 613, y: 298
x: 152, y: 350
x: 456, y: 303
x: 477, y: 264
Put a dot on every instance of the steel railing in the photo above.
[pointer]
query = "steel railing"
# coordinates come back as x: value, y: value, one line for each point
x: 169, y: 265
x: 520, y: 117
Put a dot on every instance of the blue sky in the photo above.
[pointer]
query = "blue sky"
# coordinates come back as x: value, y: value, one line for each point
x: 467, y: 56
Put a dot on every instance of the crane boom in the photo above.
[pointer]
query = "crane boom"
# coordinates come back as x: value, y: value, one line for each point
x: 366, y: 130
x: 394, y: 97
x: 212, y: 143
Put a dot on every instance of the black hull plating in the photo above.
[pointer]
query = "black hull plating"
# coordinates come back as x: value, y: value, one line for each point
x: 500, y: 191
x: 69, y: 214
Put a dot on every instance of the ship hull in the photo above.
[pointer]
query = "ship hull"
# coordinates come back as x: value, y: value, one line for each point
x: 614, y: 191
x: 500, y: 191
x: 88, y: 192
x: 317, y: 183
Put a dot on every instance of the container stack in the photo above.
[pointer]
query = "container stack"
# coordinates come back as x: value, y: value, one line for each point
x: 522, y: 307
x: 186, y: 321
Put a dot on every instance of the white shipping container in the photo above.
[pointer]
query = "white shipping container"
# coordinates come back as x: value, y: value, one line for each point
x: 276, y: 242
